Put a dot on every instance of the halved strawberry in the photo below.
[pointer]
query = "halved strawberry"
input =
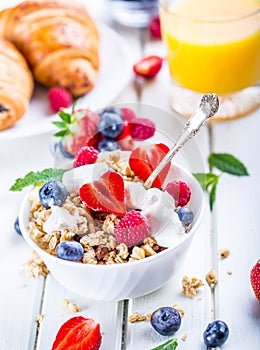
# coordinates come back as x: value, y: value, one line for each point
x: 145, y: 158
x: 124, y: 139
x: 106, y: 194
x: 78, y: 129
x: 148, y: 67
x: 78, y: 333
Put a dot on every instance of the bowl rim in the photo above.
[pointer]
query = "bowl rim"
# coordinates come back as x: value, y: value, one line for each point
x: 55, y: 259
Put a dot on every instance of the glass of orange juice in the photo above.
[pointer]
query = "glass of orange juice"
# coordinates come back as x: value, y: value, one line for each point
x: 213, y: 46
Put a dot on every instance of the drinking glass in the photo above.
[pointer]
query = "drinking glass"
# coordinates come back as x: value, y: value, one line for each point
x: 213, y: 46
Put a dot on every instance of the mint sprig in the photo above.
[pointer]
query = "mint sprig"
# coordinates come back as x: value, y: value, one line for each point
x: 168, y: 345
x: 224, y: 162
x: 36, y: 178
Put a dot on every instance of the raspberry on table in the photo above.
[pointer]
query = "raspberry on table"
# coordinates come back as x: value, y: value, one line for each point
x: 59, y: 98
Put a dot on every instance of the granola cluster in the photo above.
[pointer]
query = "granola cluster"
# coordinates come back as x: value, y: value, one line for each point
x: 94, y: 231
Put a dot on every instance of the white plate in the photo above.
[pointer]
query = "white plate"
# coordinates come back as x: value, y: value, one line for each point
x: 114, y: 74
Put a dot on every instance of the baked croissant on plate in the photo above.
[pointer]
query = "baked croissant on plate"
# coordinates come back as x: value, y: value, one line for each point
x: 59, y: 40
x: 16, y: 85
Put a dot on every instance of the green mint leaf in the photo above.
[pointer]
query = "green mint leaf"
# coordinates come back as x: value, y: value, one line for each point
x: 206, y: 179
x: 212, y: 196
x: 66, y: 117
x: 227, y: 163
x: 169, y: 345
x: 35, y: 178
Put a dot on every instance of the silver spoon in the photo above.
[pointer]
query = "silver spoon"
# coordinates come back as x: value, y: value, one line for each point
x: 208, y: 107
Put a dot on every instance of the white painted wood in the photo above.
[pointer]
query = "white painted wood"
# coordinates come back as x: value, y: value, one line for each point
x: 237, y: 228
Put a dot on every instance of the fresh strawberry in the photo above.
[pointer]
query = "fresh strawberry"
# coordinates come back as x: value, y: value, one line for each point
x: 132, y: 229
x: 128, y: 114
x: 106, y: 194
x: 142, y: 129
x: 144, y: 159
x: 148, y: 67
x: 78, y: 333
x: 255, y: 279
x: 78, y: 129
x: 180, y: 192
x: 155, y: 28
x: 59, y: 98
x: 87, y: 155
x: 124, y: 139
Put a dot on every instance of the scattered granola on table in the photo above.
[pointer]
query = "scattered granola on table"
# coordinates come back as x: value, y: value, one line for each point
x: 72, y: 307
x: 211, y: 278
x: 224, y: 253
x: 191, y: 285
x: 35, y: 267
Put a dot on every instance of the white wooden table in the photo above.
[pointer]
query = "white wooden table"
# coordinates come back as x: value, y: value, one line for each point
x: 233, y: 225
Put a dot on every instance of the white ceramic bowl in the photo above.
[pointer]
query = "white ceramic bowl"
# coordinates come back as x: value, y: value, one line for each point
x: 122, y: 281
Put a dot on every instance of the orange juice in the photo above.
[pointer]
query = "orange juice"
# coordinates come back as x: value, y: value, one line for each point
x: 213, y: 46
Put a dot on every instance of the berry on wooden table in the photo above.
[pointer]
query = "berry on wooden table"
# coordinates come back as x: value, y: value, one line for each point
x: 166, y: 320
x: 216, y: 334
x: 155, y: 27
x: 255, y: 279
x: 78, y: 333
x: 148, y: 67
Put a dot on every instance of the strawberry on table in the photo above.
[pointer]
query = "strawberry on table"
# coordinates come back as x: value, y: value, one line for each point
x: 78, y: 333
x: 148, y: 67
x: 144, y: 159
x: 255, y: 279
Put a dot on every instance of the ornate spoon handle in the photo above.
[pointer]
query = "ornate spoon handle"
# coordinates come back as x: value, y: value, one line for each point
x: 208, y: 107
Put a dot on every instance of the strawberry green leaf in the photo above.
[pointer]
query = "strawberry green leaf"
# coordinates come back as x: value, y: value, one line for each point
x: 36, y: 178
x: 168, y: 345
x: 61, y: 125
x: 61, y: 133
x: 66, y: 117
x: 227, y: 163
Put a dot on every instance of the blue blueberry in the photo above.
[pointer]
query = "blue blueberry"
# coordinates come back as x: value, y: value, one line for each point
x: 69, y: 250
x: 107, y: 145
x: 57, y: 148
x: 185, y: 215
x: 52, y: 193
x: 17, y: 226
x: 110, y: 124
x: 113, y: 110
x: 216, y: 334
x: 166, y: 320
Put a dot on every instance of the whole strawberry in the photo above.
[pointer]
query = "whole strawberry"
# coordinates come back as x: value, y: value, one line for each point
x: 255, y: 279
x: 132, y: 229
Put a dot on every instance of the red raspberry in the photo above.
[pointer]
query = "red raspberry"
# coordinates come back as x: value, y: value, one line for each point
x: 155, y: 28
x: 132, y: 229
x: 180, y: 192
x: 128, y: 114
x: 87, y: 155
x: 142, y: 128
x: 255, y: 279
x: 59, y: 98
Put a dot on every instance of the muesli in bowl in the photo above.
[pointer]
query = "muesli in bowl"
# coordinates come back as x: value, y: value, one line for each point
x: 101, y: 233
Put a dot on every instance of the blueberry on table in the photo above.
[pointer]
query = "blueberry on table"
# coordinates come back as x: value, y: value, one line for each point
x: 166, y: 320
x: 69, y: 250
x: 17, y: 226
x: 216, y: 334
x: 52, y: 193
x: 185, y: 215
x: 110, y: 124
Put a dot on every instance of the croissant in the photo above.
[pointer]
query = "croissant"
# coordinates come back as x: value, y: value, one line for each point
x: 16, y: 85
x: 59, y: 41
